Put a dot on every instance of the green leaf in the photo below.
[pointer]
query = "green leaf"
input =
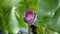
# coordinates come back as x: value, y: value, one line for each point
x: 20, y: 16
x: 54, y: 23
x: 27, y: 1
x: 46, y: 9
x: 13, y: 22
x: 33, y: 5
x: 46, y: 14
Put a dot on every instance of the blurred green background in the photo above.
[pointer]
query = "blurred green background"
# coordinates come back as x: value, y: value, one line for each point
x: 47, y: 11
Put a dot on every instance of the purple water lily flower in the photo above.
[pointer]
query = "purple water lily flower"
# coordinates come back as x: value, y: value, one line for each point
x: 29, y: 16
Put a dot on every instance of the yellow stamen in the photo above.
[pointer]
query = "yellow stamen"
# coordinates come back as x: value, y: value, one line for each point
x: 30, y: 15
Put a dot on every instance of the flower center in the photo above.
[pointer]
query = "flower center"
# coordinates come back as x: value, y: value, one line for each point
x: 30, y: 16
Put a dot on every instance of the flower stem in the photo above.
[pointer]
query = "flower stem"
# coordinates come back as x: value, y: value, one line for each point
x: 28, y: 29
